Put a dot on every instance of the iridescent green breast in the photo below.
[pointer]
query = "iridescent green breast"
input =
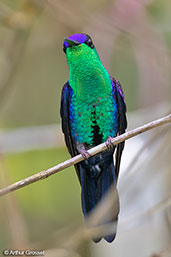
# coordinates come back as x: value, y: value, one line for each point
x: 96, y: 106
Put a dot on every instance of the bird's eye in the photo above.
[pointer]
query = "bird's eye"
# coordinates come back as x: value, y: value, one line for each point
x: 89, y: 43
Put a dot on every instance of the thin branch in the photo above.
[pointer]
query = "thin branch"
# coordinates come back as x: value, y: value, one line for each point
x: 97, y: 149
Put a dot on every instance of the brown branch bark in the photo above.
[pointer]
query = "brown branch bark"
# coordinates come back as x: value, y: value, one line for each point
x: 97, y: 149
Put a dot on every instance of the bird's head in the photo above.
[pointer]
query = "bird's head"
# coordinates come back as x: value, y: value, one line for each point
x: 79, y: 46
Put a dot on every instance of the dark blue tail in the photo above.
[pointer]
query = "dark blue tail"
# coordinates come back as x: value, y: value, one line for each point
x: 97, y: 174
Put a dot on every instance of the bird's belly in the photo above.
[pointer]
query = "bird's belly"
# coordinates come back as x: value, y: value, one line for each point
x: 93, y: 122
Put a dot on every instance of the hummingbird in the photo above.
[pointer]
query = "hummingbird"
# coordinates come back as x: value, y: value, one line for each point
x: 93, y: 110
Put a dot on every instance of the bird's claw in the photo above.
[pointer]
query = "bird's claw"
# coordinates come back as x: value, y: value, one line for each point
x: 85, y: 154
x: 109, y: 144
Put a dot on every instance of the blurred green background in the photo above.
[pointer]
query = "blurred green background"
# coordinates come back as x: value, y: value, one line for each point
x: 133, y: 39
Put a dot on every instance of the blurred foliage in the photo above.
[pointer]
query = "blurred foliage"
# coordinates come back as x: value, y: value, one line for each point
x: 34, y: 69
x: 49, y: 204
x: 124, y: 66
x: 34, y: 65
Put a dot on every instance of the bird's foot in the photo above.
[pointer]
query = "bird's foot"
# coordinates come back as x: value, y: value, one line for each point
x: 109, y: 144
x: 85, y: 154
x: 81, y: 149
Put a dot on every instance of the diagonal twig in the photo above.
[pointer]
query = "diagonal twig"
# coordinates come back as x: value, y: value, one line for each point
x: 97, y: 149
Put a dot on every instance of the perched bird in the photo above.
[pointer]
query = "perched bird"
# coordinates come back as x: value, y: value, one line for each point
x: 92, y: 111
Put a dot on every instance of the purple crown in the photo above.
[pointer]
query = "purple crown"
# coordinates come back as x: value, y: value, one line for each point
x: 81, y: 38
